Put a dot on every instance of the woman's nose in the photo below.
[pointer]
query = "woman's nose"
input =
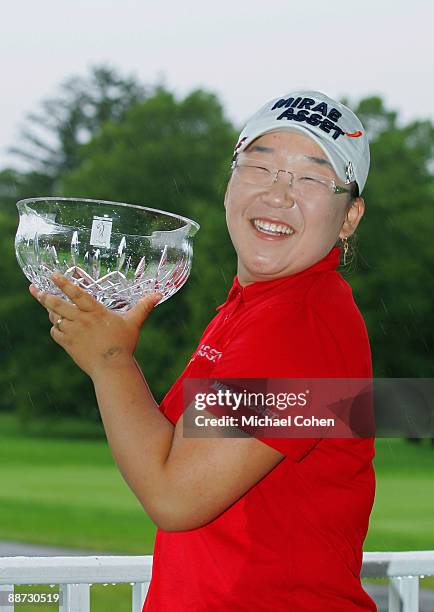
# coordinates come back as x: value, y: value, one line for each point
x: 280, y: 194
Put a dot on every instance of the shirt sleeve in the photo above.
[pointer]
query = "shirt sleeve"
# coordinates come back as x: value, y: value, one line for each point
x: 284, y: 341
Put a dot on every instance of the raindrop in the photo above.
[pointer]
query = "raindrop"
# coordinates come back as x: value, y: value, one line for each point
x: 132, y: 583
x: 176, y: 184
x: 384, y: 306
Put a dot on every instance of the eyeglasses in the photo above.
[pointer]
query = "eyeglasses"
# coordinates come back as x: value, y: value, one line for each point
x: 304, y: 183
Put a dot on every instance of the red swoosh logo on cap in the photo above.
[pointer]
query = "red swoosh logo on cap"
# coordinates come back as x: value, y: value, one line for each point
x: 240, y: 143
x: 354, y: 134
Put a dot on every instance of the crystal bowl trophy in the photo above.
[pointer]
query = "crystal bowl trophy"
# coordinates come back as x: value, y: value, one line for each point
x: 116, y: 252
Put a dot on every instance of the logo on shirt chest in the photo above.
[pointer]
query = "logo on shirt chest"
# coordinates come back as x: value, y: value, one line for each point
x: 205, y: 350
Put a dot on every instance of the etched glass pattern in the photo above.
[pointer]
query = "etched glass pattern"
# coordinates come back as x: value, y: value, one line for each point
x: 116, y: 252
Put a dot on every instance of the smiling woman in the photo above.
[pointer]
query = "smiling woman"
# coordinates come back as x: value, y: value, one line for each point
x: 269, y: 524
x: 288, y: 534
x: 284, y: 188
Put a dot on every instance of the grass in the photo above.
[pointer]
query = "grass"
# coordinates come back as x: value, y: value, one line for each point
x: 69, y: 493
x: 54, y: 428
x: 102, y: 598
x: 403, y: 513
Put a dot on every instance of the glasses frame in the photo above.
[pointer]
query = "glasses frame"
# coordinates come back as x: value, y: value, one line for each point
x: 330, y: 182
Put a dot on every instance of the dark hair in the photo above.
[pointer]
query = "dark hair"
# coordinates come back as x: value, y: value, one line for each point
x: 354, y: 193
x: 352, y: 240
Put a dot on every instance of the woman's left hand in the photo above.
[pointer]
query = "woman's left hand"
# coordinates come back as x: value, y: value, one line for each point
x: 94, y: 336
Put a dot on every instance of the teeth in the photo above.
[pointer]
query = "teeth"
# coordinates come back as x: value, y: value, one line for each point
x: 272, y: 227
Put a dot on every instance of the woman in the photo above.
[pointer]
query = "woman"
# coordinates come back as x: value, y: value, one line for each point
x: 249, y: 523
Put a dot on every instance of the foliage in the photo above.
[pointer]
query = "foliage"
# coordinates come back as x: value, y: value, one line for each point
x: 173, y: 154
x: 170, y: 155
x: 394, y: 279
x: 52, y: 137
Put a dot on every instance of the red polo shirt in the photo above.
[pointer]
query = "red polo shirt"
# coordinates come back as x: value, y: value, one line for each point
x: 294, y: 541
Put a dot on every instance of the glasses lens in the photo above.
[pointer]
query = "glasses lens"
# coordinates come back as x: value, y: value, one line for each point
x: 309, y: 185
x: 254, y: 175
x: 305, y: 183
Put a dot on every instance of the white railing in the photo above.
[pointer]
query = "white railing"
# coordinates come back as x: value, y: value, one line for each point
x: 403, y: 570
x: 75, y: 575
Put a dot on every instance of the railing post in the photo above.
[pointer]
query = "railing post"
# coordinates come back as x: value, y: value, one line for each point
x: 74, y: 597
x: 139, y: 593
x: 404, y: 594
x: 6, y: 588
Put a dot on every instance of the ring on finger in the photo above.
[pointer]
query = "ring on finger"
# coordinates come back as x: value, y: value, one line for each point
x: 58, y: 322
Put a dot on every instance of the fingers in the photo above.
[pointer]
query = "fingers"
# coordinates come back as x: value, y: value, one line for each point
x: 58, y: 336
x: 54, y: 303
x: 139, y: 313
x: 79, y: 298
x: 76, y: 294
x: 58, y: 333
x: 54, y: 318
x: 152, y: 299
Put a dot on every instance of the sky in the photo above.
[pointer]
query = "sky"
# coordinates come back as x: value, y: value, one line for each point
x: 247, y: 52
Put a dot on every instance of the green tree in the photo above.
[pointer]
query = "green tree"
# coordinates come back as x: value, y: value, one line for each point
x: 52, y: 137
x: 33, y: 372
x: 393, y: 279
x: 166, y: 153
x: 172, y: 155
x: 36, y: 379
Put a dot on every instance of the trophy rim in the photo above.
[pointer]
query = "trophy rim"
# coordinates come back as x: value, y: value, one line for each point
x: 194, y: 224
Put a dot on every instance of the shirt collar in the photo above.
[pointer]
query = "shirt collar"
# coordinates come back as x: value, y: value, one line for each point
x: 329, y: 262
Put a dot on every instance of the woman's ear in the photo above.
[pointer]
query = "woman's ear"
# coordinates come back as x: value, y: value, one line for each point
x: 353, y: 217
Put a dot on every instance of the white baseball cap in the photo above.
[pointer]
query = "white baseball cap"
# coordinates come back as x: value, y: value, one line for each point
x: 332, y: 125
